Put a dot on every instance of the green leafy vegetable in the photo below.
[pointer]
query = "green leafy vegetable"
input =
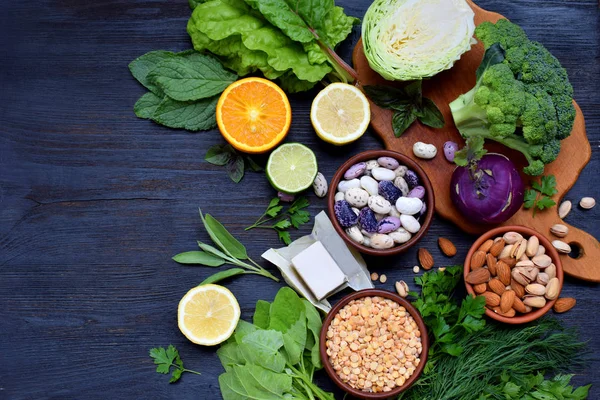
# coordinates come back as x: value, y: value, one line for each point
x: 280, y: 219
x: 539, y: 197
x: 236, y: 163
x: 184, y: 88
x: 275, y: 357
x: 168, y: 358
x: 470, y: 359
x: 536, y: 387
x: 229, y: 251
x: 408, y: 105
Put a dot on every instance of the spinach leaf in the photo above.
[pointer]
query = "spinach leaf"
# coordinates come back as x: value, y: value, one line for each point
x: 199, y: 257
x: 314, y: 324
x: 294, y: 340
x: 219, y: 276
x: 262, y: 348
x: 191, y: 115
x: 223, y: 238
x: 229, y: 354
x: 253, y: 382
x: 146, y: 105
x: 261, y: 314
x: 192, y: 77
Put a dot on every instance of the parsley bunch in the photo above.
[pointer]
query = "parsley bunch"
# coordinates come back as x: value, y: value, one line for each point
x: 540, y: 196
x: 280, y: 220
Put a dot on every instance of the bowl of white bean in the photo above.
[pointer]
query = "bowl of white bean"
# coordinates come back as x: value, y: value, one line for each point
x: 374, y: 344
x: 381, y: 202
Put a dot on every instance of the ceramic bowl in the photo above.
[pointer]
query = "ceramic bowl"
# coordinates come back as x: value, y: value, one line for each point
x: 403, y: 160
x: 411, y: 310
x: 550, y: 250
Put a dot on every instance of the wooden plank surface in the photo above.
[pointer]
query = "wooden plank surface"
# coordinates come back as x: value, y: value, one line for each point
x: 94, y: 202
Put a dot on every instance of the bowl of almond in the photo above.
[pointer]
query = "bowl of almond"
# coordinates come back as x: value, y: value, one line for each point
x: 517, y: 270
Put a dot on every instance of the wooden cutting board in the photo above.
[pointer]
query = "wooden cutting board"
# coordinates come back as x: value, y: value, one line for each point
x: 442, y: 89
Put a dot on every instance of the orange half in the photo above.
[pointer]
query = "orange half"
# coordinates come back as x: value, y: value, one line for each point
x: 254, y: 115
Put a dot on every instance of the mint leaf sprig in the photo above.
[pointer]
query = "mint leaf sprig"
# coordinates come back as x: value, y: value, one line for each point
x: 539, y: 197
x: 281, y: 220
x: 168, y: 358
x: 235, y: 163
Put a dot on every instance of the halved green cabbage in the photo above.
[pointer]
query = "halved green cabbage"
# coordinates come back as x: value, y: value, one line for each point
x: 413, y: 39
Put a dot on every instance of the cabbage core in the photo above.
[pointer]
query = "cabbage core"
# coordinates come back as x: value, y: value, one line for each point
x: 414, y: 39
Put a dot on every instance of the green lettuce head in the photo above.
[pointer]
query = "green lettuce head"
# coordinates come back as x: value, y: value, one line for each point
x: 413, y: 39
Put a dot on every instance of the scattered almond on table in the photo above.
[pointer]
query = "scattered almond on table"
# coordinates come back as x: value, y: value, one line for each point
x: 564, y: 304
x: 447, y: 247
x: 425, y: 259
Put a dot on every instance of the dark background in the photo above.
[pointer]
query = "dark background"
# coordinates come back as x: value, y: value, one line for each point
x: 94, y: 202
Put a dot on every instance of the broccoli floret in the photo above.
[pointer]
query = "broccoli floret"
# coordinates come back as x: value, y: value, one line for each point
x: 522, y: 98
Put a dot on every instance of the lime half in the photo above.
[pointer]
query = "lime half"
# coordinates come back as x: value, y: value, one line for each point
x: 292, y: 168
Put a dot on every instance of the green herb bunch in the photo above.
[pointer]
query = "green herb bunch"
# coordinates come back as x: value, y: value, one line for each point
x: 229, y: 251
x: 471, y: 360
x: 276, y: 356
x: 540, y: 196
x: 281, y: 220
x: 168, y: 358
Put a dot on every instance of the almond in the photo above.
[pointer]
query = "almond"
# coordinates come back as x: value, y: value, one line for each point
x: 519, y: 306
x: 511, y: 313
x: 503, y: 272
x: 511, y: 262
x: 486, y: 246
x: 447, y: 247
x: 564, y: 304
x: 497, y: 286
x: 518, y: 288
x: 480, y: 275
x: 491, y: 299
x: 506, y: 301
x: 497, y: 247
x: 477, y: 259
x: 482, y: 287
x: 490, y: 261
x: 425, y: 259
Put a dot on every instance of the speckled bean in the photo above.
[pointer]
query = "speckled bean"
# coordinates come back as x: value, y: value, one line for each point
x: 320, y: 185
x: 355, y: 171
x: 344, y: 214
x: 379, y: 205
x: 401, y: 170
x: 371, y: 164
x: 388, y: 224
x: 411, y: 178
x: 450, y: 148
x: 401, y: 184
x: 343, y: 186
x: 339, y: 196
x: 417, y: 191
x: 388, y: 162
x: 424, y: 150
x: 400, y: 235
x: 355, y: 234
x: 381, y: 241
x: 357, y: 197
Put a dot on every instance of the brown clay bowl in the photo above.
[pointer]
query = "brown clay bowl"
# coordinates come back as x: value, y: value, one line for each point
x: 402, y: 159
x: 550, y: 250
x: 371, y: 293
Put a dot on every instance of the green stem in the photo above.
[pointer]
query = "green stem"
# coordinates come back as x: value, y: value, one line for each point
x: 322, y: 395
x: 189, y: 370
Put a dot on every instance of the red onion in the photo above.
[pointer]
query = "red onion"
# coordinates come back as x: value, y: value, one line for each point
x: 488, y: 192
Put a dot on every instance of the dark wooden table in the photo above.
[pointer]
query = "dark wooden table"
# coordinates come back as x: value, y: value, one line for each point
x: 94, y: 202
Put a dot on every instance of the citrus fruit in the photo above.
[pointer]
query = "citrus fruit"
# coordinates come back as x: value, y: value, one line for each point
x: 254, y: 115
x: 208, y: 314
x: 340, y: 113
x: 292, y: 168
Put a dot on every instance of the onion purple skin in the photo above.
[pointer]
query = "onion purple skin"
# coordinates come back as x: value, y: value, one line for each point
x: 491, y: 193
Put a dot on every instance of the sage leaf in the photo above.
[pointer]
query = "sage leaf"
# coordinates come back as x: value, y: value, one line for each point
x: 401, y: 120
x: 199, y: 257
x: 235, y: 168
x: 141, y: 67
x: 191, y: 115
x: 212, y: 250
x: 430, y: 114
x: 254, y: 383
x: 191, y: 77
x: 223, y: 238
x: 261, y: 314
x: 219, y: 276
x: 219, y: 154
x: 147, y: 105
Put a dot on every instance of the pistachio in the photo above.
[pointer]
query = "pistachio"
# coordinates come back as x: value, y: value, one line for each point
x: 541, y: 250
x: 587, y: 202
x: 512, y: 237
x: 535, y: 289
x: 542, y: 278
x: 505, y: 253
x: 551, y: 271
x: 559, y: 230
x: 519, y: 276
x: 552, y: 289
x: 532, y: 246
x: 561, y: 246
x: 521, y: 249
x: 525, y: 263
x: 534, y: 301
x: 402, y: 288
x: 564, y: 209
x: 542, y: 260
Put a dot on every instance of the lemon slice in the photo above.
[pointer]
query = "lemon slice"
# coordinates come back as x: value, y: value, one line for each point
x: 292, y: 168
x: 340, y: 113
x: 208, y: 314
